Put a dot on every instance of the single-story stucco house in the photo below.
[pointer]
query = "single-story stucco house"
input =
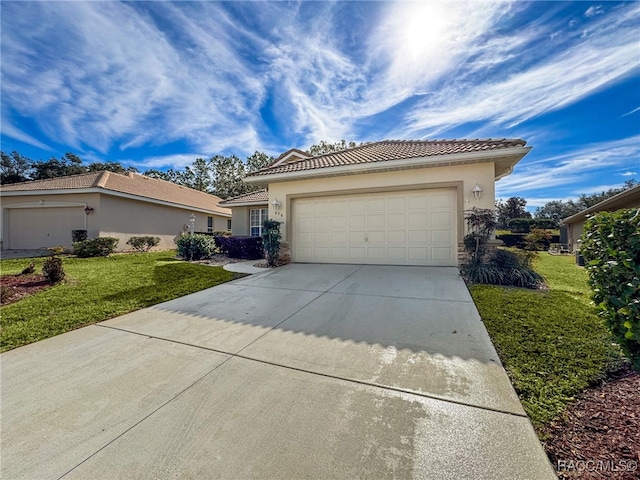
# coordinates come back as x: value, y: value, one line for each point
x: 389, y: 202
x: 42, y: 213
x: 575, y: 223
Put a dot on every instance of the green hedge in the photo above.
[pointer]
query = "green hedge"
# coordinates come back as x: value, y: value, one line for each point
x: 611, y: 249
x: 95, y: 247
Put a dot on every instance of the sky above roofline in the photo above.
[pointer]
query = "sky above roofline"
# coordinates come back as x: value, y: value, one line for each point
x: 156, y: 84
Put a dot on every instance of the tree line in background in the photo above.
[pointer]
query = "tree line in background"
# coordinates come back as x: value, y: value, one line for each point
x: 220, y: 175
x: 513, y: 209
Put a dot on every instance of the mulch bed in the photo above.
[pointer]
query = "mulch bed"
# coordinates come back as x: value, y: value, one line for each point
x: 598, y: 437
x: 17, y: 287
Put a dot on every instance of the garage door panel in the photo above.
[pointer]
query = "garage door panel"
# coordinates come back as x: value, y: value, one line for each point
x: 402, y: 228
x: 32, y: 228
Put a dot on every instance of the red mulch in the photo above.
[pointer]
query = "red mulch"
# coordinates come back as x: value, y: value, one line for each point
x: 599, y: 435
x: 17, y: 287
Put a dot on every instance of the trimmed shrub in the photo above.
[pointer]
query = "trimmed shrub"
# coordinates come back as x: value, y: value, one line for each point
x: 249, y: 248
x: 78, y: 235
x: 512, y: 239
x: 143, y: 244
x: 544, y: 223
x: 95, y: 247
x: 271, y: 240
x: 537, y: 240
x: 519, y: 225
x: 611, y: 249
x: 52, y: 269
x: 196, y: 247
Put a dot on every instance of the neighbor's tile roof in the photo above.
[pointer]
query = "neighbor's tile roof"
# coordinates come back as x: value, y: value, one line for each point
x: 260, y: 196
x: 129, y: 183
x: 389, y: 150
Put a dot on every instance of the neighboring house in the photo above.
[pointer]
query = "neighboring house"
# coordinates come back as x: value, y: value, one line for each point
x: 42, y: 213
x: 575, y: 223
x: 390, y: 202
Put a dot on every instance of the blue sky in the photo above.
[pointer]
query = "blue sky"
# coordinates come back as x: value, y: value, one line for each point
x: 156, y: 85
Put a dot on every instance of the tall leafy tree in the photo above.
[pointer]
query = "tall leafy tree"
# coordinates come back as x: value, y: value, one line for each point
x: 589, y: 200
x: 115, y: 167
x: 69, y: 164
x: 14, y: 168
x: 257, y: 161
x: 323, y: 147
x: 513, y: 207
x: 228, y: 174
x: 557, y: 210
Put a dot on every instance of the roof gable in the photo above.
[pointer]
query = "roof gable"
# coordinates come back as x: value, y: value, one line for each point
x: 290, y: 156
x: 128, y: 183
x: 392, y: 154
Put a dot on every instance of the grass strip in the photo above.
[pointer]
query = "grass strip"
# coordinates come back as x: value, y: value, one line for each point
x: 96, y: 289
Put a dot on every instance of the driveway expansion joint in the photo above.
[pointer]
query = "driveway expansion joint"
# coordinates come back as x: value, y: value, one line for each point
x: 311, y: 372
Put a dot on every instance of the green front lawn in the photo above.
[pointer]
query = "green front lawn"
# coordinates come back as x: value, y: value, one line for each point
x: 552, y: 343
x: 97, y: 289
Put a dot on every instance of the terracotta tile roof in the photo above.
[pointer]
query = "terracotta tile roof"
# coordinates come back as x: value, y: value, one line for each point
x: 389, y: 150
x: 128, y: 183
x: 259, y: 196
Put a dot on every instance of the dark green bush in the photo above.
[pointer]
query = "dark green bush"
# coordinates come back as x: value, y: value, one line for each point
x: 519, y: 225
x: 611, y: 249
x: 52, y: 269
x: 249, y: 248
x: 196, y: 247
x: 78, y: 235
x: 271, y: 240
x: 95, y: 247
x: 143, y: 244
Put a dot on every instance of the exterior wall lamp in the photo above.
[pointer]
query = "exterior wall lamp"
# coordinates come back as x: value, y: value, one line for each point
x: 88, y: 209
x: 276, y: 204
x: 477, y: 192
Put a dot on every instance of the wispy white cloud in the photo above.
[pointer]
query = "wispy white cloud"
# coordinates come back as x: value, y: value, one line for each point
x: 609, y: 53
x: 629, y: 173
x: 632, y: 111
x: 594, y: 10
x: 578, y: 167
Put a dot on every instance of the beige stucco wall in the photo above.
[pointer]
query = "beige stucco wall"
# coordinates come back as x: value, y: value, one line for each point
x: 124, y: 218
x: 118, y: 217
x: 14, y: 204
x: 240, y: 221
x: 462, y: 177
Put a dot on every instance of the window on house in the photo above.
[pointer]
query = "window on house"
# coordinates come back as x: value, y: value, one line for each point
x: 256, y: 217
x: 209, y: 224
x: 228, y: 224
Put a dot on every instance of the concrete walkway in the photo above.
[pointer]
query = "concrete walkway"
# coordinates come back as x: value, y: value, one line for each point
x: 305, y: 371
x: 245, y: 267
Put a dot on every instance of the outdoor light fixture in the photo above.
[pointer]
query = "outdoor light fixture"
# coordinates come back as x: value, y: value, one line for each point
x: 192, y: 224
x: 276, y: 204
x: 88, y: 209
x: 477, y: 192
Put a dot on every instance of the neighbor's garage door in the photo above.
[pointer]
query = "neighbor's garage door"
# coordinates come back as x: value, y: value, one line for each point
x: 399, y: 228
x: 31, y: 228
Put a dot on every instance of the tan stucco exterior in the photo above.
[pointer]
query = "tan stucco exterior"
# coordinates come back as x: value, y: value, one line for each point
x: 113, y: 216
x: 462, y: 178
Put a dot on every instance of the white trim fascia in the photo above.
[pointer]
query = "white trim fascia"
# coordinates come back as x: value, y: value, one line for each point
x: 70, y: 191
x: 43, y: 204
x: 406, y: 163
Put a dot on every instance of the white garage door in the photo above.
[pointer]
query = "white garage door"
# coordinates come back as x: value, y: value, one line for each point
x: 399, y: 228
x: 31, y: 228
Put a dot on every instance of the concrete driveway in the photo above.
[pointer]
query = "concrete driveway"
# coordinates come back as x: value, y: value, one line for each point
x: 306, y: 371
